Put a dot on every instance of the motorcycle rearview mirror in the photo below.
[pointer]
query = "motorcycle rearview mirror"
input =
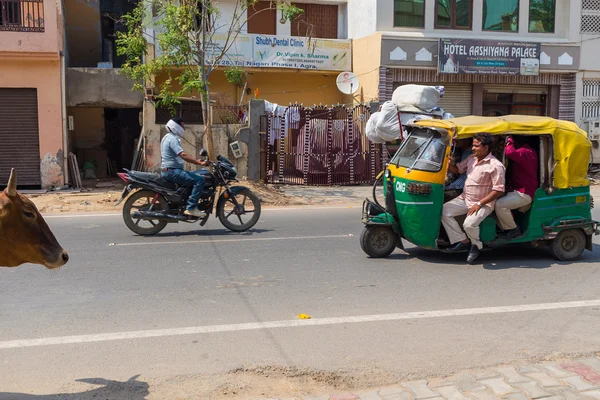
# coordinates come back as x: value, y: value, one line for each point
x: 203, y: 155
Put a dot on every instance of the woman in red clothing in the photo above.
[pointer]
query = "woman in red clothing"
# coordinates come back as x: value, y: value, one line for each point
x: 521, y: 183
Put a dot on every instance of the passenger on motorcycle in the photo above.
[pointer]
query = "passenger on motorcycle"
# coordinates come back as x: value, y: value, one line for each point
x: 172, y: 166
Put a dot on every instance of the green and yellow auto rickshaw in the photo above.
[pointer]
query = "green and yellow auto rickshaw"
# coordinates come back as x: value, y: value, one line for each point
x: 414, y: 182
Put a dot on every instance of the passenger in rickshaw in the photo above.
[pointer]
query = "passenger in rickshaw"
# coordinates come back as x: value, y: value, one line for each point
x: 462, y: 150
x: 522, y: 180
x: 483, y: 186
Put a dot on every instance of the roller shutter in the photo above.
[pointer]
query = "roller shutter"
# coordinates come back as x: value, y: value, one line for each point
x: 457, y: 98
x: 19, y: 136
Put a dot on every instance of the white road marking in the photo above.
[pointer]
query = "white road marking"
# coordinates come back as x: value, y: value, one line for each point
x: 151, y: 243
x: 68, y: 215
x: 104, y: 337
x: 304, y: 208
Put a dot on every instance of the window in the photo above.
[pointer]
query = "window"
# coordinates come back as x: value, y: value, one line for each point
x: 590, y: 105
x: 501, y: 15
x: 262, y: 18
x: 541, y: 16
x: 317, y: 20
x: 409, y: 13
x: 22, y: 15
x: 590, y: 16
x: 190, y: 111
x: 423, y: 150
x: 453, y: 14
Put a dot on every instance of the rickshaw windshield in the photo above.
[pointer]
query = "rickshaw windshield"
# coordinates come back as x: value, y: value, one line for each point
x: 423, y: 150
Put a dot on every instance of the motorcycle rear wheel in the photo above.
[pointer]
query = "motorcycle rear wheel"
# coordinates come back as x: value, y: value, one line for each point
x: 144, y: 199
x: 229, y: 216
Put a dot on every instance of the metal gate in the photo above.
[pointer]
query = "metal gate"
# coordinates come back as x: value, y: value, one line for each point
x: 19, y: 136
x: 318, y: 146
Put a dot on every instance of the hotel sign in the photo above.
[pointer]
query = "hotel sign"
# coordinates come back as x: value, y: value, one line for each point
x: 487, y: 57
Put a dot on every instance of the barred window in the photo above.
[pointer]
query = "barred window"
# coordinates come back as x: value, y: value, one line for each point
x: 590, y: 16
x: 190, y: 111
x: 590, y: 105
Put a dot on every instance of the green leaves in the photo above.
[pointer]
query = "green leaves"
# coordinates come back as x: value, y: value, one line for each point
x: 173, y: 38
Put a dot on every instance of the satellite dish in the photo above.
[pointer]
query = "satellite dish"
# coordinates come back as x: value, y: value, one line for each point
x: 347, y: 83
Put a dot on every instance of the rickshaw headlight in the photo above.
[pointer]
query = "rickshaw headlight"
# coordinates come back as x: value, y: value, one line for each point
x: 418, y: 188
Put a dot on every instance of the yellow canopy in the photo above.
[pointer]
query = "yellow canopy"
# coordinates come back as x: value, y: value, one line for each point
x: 571, y: 145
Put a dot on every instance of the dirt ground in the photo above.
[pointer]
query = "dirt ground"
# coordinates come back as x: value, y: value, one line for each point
x: 104, y: 198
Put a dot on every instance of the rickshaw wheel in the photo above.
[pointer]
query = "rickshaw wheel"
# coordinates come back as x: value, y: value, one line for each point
x: 378, y: 241
x: 568, y: 245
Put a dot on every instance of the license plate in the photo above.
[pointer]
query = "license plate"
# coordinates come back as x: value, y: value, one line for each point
x: 580, y: 199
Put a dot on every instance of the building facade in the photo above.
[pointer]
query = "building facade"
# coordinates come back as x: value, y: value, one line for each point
x: 280, y: 64
x: 494, y: 57
x: 31, y: 93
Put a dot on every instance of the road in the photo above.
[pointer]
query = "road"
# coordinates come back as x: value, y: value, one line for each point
x: 183, y: 310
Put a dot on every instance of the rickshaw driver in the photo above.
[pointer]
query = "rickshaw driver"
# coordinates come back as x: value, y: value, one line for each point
x: 484, y: 185
x: 454, y: 188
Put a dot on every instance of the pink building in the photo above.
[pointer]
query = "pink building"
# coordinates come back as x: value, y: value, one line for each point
x: 32, y: 96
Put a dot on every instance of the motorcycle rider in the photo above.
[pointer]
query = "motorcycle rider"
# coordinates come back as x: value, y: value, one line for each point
x: 172, y: 165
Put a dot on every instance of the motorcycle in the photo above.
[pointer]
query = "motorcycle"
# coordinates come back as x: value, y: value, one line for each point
x: 159, y: 202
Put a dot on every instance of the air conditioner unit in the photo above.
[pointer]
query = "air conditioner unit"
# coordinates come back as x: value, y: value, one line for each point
x: 594, y: 136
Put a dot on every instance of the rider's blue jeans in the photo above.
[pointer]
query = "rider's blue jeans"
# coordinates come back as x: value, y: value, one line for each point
x: 188, y: 179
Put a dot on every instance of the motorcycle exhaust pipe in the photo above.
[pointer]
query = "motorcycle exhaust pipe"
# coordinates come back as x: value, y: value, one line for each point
x: 152, y: 215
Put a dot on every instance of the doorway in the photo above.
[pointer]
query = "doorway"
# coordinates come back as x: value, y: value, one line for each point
x: 498, y: 104
x: 122, y: 130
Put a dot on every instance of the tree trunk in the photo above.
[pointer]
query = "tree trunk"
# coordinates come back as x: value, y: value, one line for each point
x: 208, y: 137
x: 210, y: 148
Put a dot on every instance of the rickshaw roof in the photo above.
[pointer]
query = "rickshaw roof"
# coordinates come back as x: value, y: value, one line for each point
x: 571, y: 144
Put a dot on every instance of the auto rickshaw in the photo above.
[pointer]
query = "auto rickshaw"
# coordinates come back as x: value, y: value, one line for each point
x: 414, y: 180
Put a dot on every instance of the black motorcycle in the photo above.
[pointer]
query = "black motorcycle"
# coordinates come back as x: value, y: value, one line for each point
x: 158, y: 202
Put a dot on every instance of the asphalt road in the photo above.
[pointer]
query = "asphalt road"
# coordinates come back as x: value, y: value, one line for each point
x: 189, y: 302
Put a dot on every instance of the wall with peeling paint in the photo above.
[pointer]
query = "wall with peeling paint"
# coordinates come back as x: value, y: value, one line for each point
x: 47, y: 43
x: 192, y: 142
x: 45, y: 77
x: 99, y: 87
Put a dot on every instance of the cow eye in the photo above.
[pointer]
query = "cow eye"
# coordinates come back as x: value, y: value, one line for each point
x: 29, y: 214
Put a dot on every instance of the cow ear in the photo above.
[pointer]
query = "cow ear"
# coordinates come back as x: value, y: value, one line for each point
x: 11, y: 188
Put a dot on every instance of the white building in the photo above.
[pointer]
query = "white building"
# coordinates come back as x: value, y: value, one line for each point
x: 498, y: 56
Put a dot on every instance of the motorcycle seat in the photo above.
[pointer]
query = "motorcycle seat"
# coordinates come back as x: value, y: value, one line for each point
x: 152, y: 177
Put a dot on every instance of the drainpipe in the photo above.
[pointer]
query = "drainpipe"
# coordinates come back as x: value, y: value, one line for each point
x: 63, y: 90
x: 63, y: 100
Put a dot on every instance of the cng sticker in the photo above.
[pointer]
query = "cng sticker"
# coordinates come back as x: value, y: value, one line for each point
x: 400, y: 187
x: 580, y: 199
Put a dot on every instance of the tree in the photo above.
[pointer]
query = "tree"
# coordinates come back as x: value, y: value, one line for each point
x: 185, y: 33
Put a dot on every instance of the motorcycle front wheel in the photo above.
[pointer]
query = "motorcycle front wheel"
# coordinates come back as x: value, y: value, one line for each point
x: 141, y: 201
x: 240, y: 217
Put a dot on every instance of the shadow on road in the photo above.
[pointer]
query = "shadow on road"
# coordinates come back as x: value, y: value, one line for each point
x: 211, y: 232
x: 131, y: 390
x: 511, y: 256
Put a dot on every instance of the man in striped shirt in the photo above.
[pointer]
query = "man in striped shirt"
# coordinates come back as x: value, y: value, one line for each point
x: 484, y: 185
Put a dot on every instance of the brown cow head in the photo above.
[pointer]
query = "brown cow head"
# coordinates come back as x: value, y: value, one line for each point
x: 24, y: 235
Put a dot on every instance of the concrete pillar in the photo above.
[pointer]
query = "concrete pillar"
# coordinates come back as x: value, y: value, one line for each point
x: 477, y: 99
x: 553, y: 101
x: 152, y: 137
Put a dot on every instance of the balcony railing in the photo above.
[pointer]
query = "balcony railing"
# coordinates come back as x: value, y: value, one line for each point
x: 22, y: 15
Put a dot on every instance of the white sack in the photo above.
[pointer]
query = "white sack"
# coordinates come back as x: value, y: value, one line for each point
x: 371, y: 128
x: 388, y: 126
x: 421, y: 96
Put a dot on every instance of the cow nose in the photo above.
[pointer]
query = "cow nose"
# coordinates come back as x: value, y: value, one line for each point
x: 65, y: 256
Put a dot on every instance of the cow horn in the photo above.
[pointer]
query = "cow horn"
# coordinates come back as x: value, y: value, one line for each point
x: 11, y: 188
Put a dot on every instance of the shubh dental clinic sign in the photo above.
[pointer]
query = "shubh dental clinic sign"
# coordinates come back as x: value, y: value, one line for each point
x: 264, y: 51
x: 465, y: 56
